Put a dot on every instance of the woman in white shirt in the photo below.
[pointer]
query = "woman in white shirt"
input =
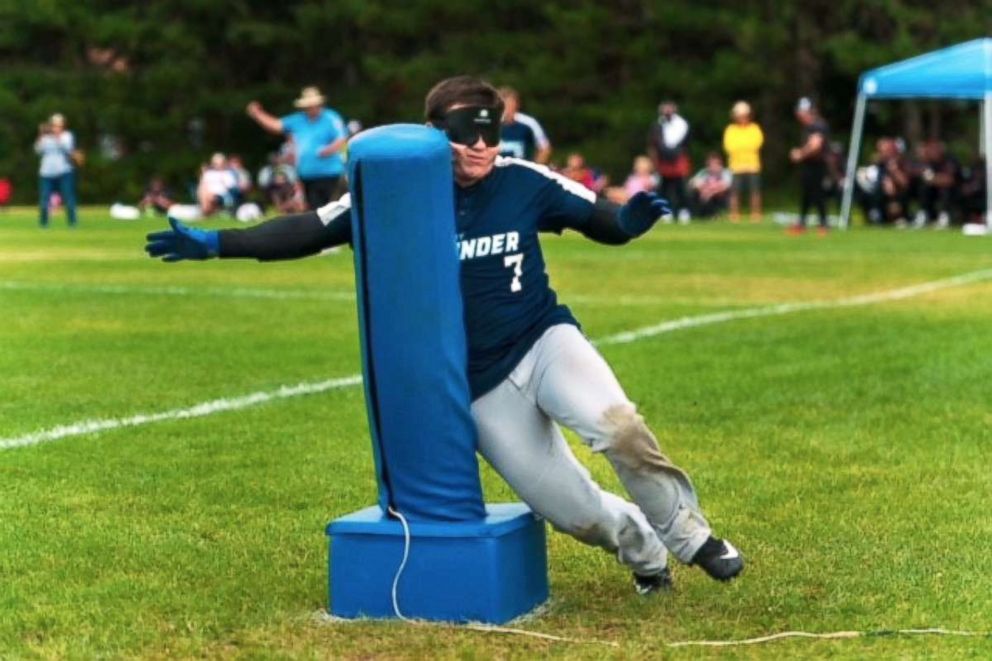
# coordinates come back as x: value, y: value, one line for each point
x: 55, y: 146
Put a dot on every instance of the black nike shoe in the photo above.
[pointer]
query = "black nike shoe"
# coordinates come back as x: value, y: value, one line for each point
x: 660, y: 582
x: 719, y: 559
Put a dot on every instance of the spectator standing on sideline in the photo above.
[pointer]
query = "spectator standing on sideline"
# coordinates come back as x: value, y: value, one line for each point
x: 667, y: 146
x: 710, y: 188
x: 811, y: 157
x: 319, y: 135
x: 742, y: 140
x: 521, y: 136
x: 56, y: 145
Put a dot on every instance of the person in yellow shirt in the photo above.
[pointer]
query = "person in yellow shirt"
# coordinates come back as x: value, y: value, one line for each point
x: 742, y: 140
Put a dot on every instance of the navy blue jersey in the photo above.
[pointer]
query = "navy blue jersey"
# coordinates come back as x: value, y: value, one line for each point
x: 507, y: 297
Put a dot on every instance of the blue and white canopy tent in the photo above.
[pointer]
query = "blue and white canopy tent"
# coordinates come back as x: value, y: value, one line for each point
x: 963, y: 71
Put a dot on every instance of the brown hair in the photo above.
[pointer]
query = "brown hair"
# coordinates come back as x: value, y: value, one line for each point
x: 467, y: 90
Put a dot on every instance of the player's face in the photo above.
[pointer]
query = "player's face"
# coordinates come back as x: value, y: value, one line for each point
x: 473, y: 161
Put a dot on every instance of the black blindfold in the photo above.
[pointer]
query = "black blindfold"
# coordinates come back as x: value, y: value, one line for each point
x: 466, y: 125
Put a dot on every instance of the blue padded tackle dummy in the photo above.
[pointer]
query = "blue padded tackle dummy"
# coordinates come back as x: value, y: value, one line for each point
x: 463, y: 561
x: 412, y: 329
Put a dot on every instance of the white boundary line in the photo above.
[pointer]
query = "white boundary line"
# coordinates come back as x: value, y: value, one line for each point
x: 284, y: 392
x: 788, y: 308
x: 197, y: 411
x: 233, y: 292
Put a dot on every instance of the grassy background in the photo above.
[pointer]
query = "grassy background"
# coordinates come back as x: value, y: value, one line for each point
x: 845, y: 451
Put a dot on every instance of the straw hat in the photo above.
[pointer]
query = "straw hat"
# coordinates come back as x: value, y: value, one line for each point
x: 309, y: 97
x: 741, y: 109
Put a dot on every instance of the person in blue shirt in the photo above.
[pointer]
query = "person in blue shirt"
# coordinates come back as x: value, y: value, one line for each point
x: 530, y: 367
x: 319, y: 135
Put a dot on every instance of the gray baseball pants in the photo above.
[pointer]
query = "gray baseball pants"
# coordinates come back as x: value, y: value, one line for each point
x: 564, y: 381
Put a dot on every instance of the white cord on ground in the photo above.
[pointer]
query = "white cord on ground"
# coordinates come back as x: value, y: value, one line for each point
x: 828, y: 636
x: 399, y: 572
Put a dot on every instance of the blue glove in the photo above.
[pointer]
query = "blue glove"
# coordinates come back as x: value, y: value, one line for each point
x: 182, y: 242
x: 641, y: 212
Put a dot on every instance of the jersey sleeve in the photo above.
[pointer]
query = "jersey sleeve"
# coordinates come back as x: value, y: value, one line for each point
x: 291, y: 237
x: 563, y: 203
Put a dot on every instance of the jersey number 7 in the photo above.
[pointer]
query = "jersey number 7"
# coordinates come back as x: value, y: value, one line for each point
x: 517, y: 262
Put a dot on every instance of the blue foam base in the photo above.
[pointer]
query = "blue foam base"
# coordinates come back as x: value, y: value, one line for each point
x: 491, y: 570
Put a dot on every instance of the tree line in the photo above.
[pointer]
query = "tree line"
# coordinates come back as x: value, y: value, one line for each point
x: 155, y: 87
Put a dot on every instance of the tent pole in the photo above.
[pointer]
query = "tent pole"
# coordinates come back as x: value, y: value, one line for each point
x: 854, y: 149
x: 987, y: 125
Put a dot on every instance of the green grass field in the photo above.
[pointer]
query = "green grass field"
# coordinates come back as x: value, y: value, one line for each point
x: 845, y: 449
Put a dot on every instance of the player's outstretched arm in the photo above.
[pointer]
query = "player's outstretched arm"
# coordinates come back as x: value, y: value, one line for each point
x: 641, y: 212
x: 285, y: 237
x: 616, y: 225
x: 182, y: 242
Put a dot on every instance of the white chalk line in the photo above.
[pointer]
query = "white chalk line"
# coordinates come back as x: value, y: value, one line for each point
x: 284, y: 392
x: 197, y: 411
x: 152, y: 290
x: 788, y: 308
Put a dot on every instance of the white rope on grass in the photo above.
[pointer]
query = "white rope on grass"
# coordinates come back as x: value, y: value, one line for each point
x: 834, y: 635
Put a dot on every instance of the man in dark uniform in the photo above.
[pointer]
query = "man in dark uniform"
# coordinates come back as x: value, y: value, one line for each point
x: 530, y: 367
x: 811, y: 156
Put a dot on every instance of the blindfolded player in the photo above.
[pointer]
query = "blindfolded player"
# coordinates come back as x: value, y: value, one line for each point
x: 530, y: 367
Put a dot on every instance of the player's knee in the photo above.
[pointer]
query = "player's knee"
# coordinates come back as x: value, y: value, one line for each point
x: 630, y: 442
x: 588, y: 529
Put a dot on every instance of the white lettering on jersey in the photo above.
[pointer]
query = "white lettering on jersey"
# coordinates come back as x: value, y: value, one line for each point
x: 468, y: 249
x: 483, y: 246
x: 512, y: 241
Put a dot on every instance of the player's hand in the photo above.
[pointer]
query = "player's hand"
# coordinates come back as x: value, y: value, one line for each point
x: 182, y: 242
x: 642, y: 211
x: 253, y: 108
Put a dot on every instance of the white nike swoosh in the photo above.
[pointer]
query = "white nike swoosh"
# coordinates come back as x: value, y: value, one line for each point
x: 731, y: 552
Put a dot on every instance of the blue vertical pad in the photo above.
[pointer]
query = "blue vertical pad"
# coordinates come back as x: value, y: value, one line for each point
x: 410, y: 314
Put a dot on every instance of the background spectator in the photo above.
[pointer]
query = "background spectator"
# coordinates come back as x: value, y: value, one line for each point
x: 242, y: 179
x: 667, y: 146
x: 940, y: 177
x: 319, y: 134
x: 521, y: 136
x: 710, y: 188
x: 157, y: 197
x: 56, y: 145
x: 577, y: 170
x: 216, y: 183
x: 642, y: 177
x: 742, y: 140
x: 285, y: 194
x: 811, y: 158
x: 973, y: 184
